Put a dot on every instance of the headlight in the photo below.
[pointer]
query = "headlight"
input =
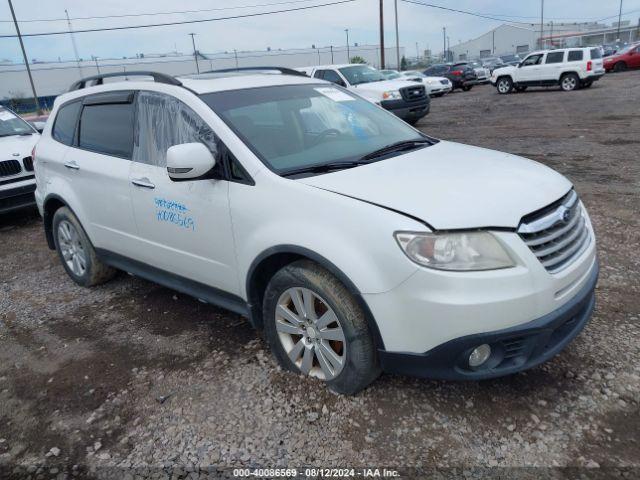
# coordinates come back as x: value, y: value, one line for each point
x: 454, y: 251
x: 391, y: 95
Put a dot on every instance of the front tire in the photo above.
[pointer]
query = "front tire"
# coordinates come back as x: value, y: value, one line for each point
x: 569, y: 82
x: 76, y: 252
x: 466, y: 88
x: 314, y: 326
x: 504, y: 85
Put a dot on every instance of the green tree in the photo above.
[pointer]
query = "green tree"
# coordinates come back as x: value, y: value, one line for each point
x: 358, y: 59
x: 403, y: 63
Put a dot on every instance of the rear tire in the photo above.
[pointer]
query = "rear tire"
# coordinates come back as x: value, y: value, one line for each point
x: 620, y: 67
x: 76, y: 252
x: 296, y: 337
x: 504, y: 85
x: 569, y: 82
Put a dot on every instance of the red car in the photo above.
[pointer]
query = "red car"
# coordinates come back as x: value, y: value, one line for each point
x: 628, y: 57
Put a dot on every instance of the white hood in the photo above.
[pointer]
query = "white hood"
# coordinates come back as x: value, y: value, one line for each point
x: 380, y: 87
x: 452, y: 186
x: 17, y: 146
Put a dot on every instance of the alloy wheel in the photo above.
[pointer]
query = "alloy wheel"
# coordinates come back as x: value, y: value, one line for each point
x: 503, y: 86
x: 310, y: 333
x: 569, y: 83
x: 71, y: 248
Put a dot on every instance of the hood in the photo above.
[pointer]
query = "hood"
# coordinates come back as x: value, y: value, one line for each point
x: 504, y: 69
x: 383, y: 86
x: 452, y: 186
x: 17, y: 146
x: 436, y: 80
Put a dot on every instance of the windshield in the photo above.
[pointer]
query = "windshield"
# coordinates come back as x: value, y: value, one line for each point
x: 12, y: 125
x: 291, y: 127
x: 357, y: 74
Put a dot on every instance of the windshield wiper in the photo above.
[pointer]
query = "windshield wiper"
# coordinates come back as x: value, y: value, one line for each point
x: 397, y: 147
x: 16, y: 134
x: 324, y: 168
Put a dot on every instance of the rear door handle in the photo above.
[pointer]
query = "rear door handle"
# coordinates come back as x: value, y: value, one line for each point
x: 143, y: 182
x: 72, y: 165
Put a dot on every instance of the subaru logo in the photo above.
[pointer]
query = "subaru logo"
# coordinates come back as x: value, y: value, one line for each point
x: 566, y: 215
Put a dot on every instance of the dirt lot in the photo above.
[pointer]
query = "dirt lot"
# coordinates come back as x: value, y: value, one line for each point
x: 132, y: 375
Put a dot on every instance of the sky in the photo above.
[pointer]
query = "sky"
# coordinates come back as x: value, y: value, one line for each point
x: 321, y: 26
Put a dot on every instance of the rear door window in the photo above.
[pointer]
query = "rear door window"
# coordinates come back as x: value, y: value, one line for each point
x: 107, y: 129
x: 575, y: 56
x: 554, y: 57
x: 65, y: 125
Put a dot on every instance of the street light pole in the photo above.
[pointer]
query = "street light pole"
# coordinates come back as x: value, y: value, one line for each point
x: 195, y: 53
x: 26, y: 61
x: 382, y: 35
x: 619, y: 20
x: 445, y: 57
x: 235, y: 54
x: 541, y: 23
x: 397, y: 36
x: 346, y: 30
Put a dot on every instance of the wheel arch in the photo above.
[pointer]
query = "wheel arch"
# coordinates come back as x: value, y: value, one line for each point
x: 50, y: 205
x: 265, y: 265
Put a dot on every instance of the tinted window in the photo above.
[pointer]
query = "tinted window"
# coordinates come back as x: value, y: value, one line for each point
x: 596, y: 53
x: 332, y: 76
x: 65, y: 125
x: 164, y: 121
x: 575, y: 55
x: 554, y: 57
x: 107, y: 129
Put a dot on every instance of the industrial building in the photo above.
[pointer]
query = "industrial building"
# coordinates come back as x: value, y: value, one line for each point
x: 523, y: 38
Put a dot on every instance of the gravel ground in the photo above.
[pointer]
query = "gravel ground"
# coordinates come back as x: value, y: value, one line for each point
x: 137, y: 378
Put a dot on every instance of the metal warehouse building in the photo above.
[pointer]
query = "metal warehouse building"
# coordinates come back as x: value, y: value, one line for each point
x: 509, y: 38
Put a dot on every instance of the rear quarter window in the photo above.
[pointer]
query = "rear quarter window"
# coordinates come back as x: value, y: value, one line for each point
x: 65, y: 124
x: 595, y: 53
x: 575, y: 56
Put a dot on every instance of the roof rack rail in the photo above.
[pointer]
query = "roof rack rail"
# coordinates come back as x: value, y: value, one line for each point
x: 157, y: 77
x: 283, y: 70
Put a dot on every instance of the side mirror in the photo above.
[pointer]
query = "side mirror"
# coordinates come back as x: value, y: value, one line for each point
x: 189, y: 161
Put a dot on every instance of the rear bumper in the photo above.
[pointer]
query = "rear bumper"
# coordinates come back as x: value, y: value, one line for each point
x: 17, y: 198
x: 407, y: 110
x: 594, y: 78
x: 513, y: 349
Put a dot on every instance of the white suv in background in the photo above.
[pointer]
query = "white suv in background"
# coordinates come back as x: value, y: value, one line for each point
x: 357, y: 243
x: 571, y: 68
x: 406, y: 100
x: 17, y: 180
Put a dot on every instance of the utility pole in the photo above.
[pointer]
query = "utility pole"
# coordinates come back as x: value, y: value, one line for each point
x: 346, y: 30
x: 382, y: 35
x: 417, y: 53
x: 331, y: 47
x: 73, y: 42
x: 26, y: 61
x: 318, y: 51
x: 235, y: 54
x: 551, y: 34
x: 541, y: 23
x: 449, y: 48
x: 95, y: 59
x: 444, y: 45
x: 619, y: 20
x: 395, y: 4
x: 493, y: 41
x: 195, y: 52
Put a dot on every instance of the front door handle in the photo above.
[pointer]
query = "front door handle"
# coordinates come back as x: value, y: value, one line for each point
x: 143, y: 182
x: 72, y: 165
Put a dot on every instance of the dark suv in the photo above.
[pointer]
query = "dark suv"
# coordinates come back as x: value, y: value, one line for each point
x: 461, y: 74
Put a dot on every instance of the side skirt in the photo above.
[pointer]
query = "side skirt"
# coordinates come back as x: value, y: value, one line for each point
x: 212, y: 295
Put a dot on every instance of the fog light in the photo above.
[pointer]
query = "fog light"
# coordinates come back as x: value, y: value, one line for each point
x: 479, y: 355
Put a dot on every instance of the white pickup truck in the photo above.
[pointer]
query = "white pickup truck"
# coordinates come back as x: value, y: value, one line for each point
x: 407, y: 100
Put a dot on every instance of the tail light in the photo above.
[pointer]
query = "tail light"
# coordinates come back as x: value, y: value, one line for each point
x: 589, y: 66
x: 456, y: 72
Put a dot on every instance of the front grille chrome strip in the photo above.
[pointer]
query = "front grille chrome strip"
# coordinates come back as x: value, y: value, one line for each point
x: 558, y: 234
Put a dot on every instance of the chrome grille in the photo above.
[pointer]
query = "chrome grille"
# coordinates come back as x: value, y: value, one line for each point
x: 557, y: 234
x: 9, y: 167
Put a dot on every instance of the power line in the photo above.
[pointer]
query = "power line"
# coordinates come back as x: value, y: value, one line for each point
x: 184, y: 22
x: 101, y: 17
x: 496, y: 15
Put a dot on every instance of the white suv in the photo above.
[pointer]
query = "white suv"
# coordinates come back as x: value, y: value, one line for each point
x: 356, y: 242
x: 571, y: 68
x: 17, y: 181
